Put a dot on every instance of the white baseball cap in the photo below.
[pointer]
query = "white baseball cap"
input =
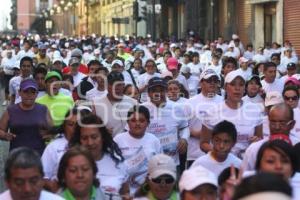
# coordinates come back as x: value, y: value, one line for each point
x: 195, y: 177
x: 232, y: 75
x: 235, y: 36
x: 273, y: 98
x: 57, y: 59
x: 173, y: 45
x: 185, y: 69
x: 231, y: 45
x: 206, y: 74
x: 243, y: 60
x: 161, y: 164
x: 118, y: 62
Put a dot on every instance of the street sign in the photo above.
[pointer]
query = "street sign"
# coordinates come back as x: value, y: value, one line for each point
x: 117, y: 20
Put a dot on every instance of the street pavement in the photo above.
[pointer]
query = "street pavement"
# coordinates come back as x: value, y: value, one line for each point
x: 3, y: 145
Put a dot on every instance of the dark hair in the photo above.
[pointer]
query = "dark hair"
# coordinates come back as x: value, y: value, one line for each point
x: 93, y: 62
x: 268, y: 65
x: 279, y: 146
x: 150, y: 60
x: 225, y: 127
x: 114, y: 76
x: 24, y: 158
x: 256, y: 79
x: 43, y: 65
x: 227, y: 60
x: 291, y: 87
x: 276, y: 55
x: 72, y: 152
x: 109, y: 146
x: 26, y: 58
x: 68, y: 77
x: 249, y: 45
x: 39, y: 70
x: 128, y: 86
x: 296, y: 151
x: 101, y: 68
x: 195, y: 54
x: 262, y: 182
x: 225, y: 175
x: 141, y: 110
x: 167, y: 52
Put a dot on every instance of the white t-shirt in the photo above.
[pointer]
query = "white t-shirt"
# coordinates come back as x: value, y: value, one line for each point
x: 182, y: 80
x: 216, y: 68
x: 245, y: 119
x: 285, y: 60
x: 199, y: 106
x: 114, y: 114
x: 295, y: 183
x: 137, y: 152
x: 208, y: 162
x: 250, y: 155
x: 111, y: 175
x: 52, y: 155
x: 231, y: 54
x: 193, y: 84
x: 196, y: 68
x: 24, y: 53
x: 78, y: 78
x: 127, y: 78
x: 277, y: 85
x: 246, y: 73
x: 162, y: 68
x: 8, y: 65
x: 142, y: 81
x: 166, y: 123
x: 135, y: 74
x: 14, y: 86
x: 258, y: 58
x: 43, y: 196
x: 248, y: 54
x: 94, y: 93
x: 258, y: 100
x: 296, y: 129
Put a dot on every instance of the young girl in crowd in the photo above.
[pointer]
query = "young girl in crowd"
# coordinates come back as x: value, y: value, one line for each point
x: 137, y: 145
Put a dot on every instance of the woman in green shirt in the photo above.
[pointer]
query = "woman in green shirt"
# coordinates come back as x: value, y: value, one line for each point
x: 77, y: 175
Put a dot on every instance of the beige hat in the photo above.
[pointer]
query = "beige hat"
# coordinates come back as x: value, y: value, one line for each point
x: 161, y: 164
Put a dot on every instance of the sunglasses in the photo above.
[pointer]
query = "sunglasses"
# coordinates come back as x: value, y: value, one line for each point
x: 211, y: 80
x: 294, y: 98
x: 166, y: 180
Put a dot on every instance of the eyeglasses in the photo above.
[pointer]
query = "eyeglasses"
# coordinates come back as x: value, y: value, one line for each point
x: 165, y: 180
x: 293, y: 98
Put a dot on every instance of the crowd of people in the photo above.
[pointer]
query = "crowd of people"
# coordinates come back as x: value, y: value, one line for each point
x: 129, y: 118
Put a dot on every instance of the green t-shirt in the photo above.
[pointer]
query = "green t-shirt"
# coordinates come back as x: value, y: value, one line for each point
x: 57, y: 105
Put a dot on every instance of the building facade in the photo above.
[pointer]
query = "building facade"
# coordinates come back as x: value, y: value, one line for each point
x: 26, y: 14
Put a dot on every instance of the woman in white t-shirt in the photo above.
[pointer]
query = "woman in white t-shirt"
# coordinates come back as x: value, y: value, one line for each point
x: 137, y: 146
x: 246, y: 116
x: 142, y: 80
x: 112, y: 173
x: 253, y: 89
x: 55, y: 150
x: 176, y: 92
